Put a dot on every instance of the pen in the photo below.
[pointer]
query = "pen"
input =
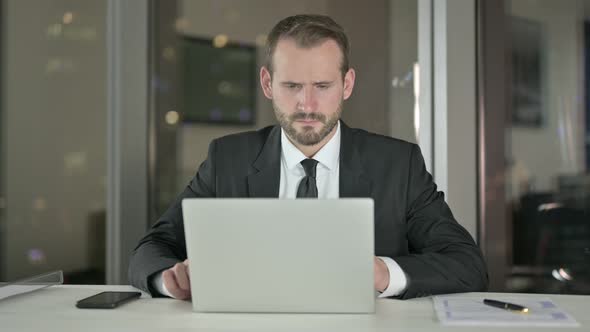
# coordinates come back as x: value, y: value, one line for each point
x: 506, y: 306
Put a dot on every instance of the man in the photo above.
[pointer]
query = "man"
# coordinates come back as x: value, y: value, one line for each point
x: 421, y: 249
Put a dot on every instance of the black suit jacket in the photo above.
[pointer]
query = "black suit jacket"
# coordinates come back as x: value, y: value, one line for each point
x: 413, y: 224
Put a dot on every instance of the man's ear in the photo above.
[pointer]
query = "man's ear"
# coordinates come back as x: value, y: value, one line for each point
x: 348, y: 83
x: 266, y: 82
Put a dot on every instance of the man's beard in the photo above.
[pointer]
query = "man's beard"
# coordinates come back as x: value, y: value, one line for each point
x: 307, y: 136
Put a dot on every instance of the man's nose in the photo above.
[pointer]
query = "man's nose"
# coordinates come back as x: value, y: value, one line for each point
x: 307, y: 100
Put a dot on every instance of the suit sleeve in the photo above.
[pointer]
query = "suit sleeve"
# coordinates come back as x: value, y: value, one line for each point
x: 164, y: 244
x: 443, y: 256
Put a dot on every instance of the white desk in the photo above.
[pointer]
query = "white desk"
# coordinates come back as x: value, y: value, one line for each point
x: 53, y: 309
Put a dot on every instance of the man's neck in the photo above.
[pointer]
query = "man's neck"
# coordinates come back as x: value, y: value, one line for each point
x: 310, y: 150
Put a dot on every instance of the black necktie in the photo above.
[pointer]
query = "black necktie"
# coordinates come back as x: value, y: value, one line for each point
x: 307, y: 186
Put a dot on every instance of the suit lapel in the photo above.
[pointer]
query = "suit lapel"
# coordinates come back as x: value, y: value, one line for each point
x: 352, y: 181
x: 265, y: 181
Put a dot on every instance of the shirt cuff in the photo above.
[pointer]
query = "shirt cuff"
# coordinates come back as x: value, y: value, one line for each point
x: 158, y: 284
x: 397, y: 278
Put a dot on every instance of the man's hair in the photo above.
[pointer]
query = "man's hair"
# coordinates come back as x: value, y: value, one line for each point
x: 308, y: 31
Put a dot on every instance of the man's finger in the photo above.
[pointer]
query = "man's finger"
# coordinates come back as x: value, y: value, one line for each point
x: 188, y: 274
x: 181, y: 273
x: 170, y: 282
x: 172, y: 286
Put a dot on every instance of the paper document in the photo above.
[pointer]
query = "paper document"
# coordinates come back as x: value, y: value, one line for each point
x: 30, y: 284
x: 460, y: 310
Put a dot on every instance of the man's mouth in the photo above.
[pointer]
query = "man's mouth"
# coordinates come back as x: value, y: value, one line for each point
x: 307, y: 121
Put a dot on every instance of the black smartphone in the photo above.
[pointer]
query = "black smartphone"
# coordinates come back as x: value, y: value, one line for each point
x: 107, y: 300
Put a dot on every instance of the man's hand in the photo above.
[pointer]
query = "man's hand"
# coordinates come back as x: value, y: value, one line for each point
x: 176, y: 281
x: 381, y: 275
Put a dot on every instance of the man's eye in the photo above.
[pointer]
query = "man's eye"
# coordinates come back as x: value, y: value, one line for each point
x: 323, y: 86
x: 292, y: 86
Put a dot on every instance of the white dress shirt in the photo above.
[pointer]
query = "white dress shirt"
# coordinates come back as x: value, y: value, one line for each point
x: 328, y: 183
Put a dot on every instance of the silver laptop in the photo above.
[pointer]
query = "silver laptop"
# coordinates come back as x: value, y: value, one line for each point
x: 273, y: 255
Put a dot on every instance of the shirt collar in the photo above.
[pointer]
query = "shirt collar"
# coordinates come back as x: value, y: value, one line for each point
x: 327, y: 156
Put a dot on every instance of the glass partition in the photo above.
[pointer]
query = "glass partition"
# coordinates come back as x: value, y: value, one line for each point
x: 53, y: 139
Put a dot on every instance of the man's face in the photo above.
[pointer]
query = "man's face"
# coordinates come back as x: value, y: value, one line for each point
x: 307, y: 89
